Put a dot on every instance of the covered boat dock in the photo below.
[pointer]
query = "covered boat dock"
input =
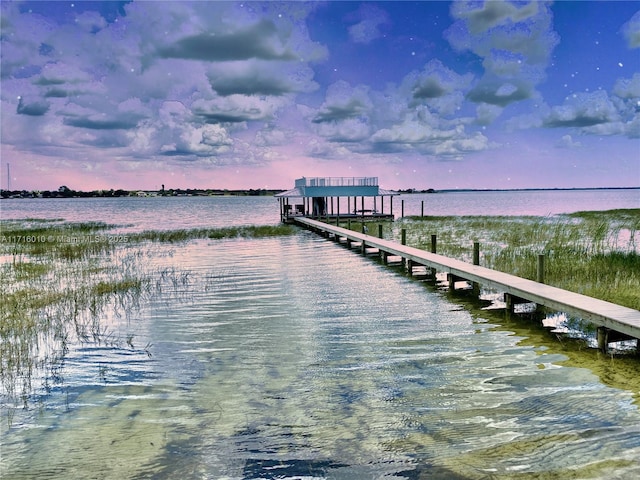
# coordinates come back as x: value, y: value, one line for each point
x: 320, y: 198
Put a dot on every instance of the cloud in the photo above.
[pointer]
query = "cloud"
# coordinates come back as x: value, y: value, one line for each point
x: 628, y: 88
x: 113, y: 123
x: 348, y: 130
x: 495, y: 92
x: 237, y: 108
x: 435, y: 81
x: 582, y: 110
x: 106, y: 83
x: 631, y: 31
x: 487, y: 113
x: 371, y: 18
x: 261, y: 78
x: 436, y: 86
x: 514, y: 43
x: 457, y: 147
x: 259, y: 41
x: 493, y: 13
x: 35, y: 108
x: 174, y: 134
x: 567, y: 142
x: 343, y: 102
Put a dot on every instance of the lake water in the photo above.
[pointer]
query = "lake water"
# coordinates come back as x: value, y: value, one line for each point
x: 293, y: 358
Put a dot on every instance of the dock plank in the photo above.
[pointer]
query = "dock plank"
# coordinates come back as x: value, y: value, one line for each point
x: 599, y: 312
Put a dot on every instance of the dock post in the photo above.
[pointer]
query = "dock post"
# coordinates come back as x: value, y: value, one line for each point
x: 403, y: 241
x: 402, y: 208
x: 383, y: 254
x: 603, y: 337
x: 476, y: 261
x: 509, y: 303
x: 422, y: 209
x: 433, y: 250
x: 540, y: 275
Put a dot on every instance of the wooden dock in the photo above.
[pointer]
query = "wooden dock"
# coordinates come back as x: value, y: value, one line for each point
x: 608, y: 317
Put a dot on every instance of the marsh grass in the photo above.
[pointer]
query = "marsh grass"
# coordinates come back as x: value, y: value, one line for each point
x: 60, y: 281
x: 593, y: 253
x: 250, y: 231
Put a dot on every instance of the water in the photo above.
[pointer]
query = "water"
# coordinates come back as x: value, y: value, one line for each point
x: 162, y: 213
x: 294, y: 358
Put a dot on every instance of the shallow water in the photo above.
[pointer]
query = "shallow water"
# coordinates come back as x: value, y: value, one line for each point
x: 294, y: 358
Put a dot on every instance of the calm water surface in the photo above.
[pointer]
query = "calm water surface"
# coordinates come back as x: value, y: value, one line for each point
x: 293, y: 358
x: 164, y: 213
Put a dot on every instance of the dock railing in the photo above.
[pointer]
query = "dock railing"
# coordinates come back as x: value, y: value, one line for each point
x: 337, y: 182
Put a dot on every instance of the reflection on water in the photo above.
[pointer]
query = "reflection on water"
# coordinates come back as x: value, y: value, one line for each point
x: 294, y: 358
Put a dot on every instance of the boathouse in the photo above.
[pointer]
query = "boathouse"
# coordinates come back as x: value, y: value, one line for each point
x: 336, y: 198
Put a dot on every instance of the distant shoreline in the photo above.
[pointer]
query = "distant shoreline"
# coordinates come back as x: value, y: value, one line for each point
x: 189, y: 192
x: 531, y: 189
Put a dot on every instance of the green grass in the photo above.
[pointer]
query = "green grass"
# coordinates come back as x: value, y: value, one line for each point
x: 251, y: 231
x: 593, y: 253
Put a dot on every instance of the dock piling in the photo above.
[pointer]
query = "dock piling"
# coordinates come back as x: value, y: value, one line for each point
x: 540, y: 272
x: 476, y: 261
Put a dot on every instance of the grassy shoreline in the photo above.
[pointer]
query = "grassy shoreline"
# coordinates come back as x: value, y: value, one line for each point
x: 592, y: 253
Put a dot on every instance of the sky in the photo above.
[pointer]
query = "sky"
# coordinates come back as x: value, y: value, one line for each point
x: 430, y: 94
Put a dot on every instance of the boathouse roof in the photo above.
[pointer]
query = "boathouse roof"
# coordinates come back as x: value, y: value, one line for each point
x: 336, y: 187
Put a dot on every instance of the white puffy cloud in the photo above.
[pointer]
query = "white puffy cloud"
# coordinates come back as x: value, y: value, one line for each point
x: 493, y: 14
x: 582, y: 110
x: 437, y: 86
x: 515, y: 43
x: 631, y: 31
x: 370, y: 19
x: 628, y: 88
x: 177, y: 79
x: 568, y: 142
x: 597, y: 113
x: 343, y: 102
x: 421, y: 115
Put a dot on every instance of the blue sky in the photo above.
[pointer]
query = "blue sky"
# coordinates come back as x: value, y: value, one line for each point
x: 477, y: 94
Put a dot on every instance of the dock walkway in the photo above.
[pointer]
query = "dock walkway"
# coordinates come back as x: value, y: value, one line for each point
x: 603, y: 314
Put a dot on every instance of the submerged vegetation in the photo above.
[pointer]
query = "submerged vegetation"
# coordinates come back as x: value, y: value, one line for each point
x: 592, y: 253
x: 63, y: 283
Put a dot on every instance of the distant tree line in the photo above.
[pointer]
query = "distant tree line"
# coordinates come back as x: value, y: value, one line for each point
x: 66, y: 192
x: 415, y: 190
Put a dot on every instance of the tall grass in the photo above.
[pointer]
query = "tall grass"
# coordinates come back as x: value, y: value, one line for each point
x: 593, y: 253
